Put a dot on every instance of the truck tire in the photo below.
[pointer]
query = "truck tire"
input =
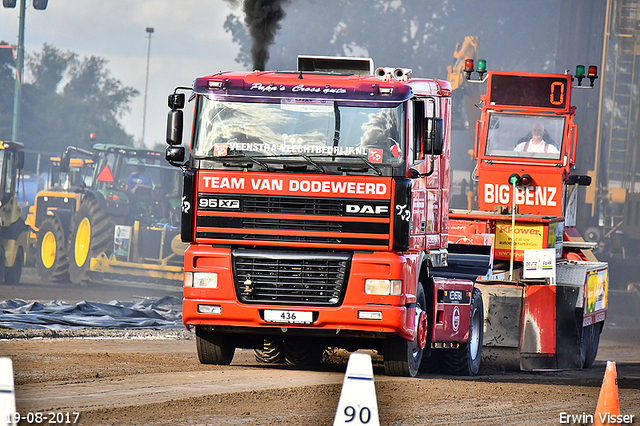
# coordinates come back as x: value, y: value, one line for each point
x: 403, y: 357
x: 91, y: 234
x: 214, y: 348
x: 13, y: 273
x: 590, y: 343
x: 465, y: 361
x: 272, y: 352
x: 302, y: 352
x: 52, y: 260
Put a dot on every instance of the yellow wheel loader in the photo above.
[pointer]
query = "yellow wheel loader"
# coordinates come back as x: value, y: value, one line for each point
x: 14, y: 233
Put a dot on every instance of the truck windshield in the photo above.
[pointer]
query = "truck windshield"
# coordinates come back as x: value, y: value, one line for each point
x: 519, y: 135
x: 298, y: 127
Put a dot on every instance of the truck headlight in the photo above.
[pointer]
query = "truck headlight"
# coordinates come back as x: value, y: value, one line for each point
x: 201, y: 279
x: 389, y: 287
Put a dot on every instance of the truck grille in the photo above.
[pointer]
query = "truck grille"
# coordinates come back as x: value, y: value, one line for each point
x: 307, y: 206
x: 290, y: 278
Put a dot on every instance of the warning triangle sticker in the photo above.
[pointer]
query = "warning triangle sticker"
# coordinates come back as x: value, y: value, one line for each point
x: 105, y: 175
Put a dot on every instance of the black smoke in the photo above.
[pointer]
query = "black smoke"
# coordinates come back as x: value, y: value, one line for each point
x: 262, y: 18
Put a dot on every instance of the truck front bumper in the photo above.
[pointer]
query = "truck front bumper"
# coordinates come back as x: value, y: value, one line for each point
x: 358, y: 313
x: 353, y: 321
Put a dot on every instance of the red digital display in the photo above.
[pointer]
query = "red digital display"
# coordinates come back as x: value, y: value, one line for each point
x: 532, y: 91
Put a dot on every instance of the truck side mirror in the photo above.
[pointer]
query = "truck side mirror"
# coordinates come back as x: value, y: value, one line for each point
x: 579, y: 179
x: 433, y: 138
x: 20, y: 160
x: 176, y: 101
x: 65, y: 163
x: 175, y: 154
x: 174, y: 127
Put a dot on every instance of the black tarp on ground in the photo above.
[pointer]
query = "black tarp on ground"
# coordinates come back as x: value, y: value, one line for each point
x: 158, y: 313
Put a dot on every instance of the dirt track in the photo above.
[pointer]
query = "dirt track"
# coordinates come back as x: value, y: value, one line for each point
x: 150, y: 377
x: 154, y: 378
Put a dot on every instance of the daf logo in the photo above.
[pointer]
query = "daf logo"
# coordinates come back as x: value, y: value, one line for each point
x: 366, y: 209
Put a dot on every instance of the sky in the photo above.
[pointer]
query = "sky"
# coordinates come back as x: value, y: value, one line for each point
x: 188, y: 41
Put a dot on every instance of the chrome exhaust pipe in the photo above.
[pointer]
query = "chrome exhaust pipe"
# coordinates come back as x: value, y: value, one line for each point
x: 383, y: 73
x: 402, y: 73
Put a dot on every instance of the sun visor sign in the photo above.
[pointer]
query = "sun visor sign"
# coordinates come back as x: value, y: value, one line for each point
x: 295, y: 185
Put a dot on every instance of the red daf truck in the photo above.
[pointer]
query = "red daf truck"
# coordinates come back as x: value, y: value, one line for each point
x: 315, y: 205
x: 545, y: 294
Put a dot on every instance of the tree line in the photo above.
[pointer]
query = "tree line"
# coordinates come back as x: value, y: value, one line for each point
x: 64, y: 99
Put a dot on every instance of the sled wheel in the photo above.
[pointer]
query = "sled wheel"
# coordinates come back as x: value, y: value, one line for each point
x: 590, y: 342
x: 302, y: 352
x: 272, y: 352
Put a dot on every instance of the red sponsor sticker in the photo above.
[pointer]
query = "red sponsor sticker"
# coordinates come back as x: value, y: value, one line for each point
x: 220, y: 150
x: 375, y: 155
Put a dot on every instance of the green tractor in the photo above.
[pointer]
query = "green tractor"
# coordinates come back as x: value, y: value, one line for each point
x: 14, y: 233
x: 127, y: 224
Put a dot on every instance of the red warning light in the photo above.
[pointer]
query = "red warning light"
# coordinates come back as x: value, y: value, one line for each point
x: 525, y: 180
x: 468, y: 65
x: 105, y: 175
x: 592, y: 74
x: 468, y: 68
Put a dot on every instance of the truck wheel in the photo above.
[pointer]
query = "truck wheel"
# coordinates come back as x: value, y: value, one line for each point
x: 214, y: 348
x: 91, y: 234
x: 590, y: 343
x: 302, y: 352
x: 52, y: 261
x: 402, y: 357
x: 271, y: 353
x: 12, y: 274
x: 465, y: 361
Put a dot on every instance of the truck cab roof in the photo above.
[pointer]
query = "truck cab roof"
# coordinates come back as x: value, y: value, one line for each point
x: 318, y: 85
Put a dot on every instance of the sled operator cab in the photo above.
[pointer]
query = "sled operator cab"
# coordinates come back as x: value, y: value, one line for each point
x: 546, y: 292
x: 527, y: 137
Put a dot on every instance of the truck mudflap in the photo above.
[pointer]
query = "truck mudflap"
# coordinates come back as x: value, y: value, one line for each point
x: 451, y: 307
x: 531, y: 325
x: 132, y: 271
